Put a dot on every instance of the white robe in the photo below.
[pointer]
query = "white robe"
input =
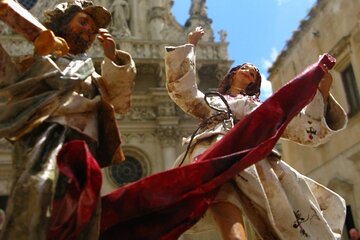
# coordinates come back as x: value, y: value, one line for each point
x: 278, y: 201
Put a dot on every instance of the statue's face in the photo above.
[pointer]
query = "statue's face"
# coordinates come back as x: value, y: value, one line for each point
x: 244, y: 76
x: 81, y: 32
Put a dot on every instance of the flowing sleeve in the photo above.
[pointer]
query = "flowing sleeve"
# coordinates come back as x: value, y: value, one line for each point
x: 181, y: 81
x: 316, y: 122
x: 118, y: 78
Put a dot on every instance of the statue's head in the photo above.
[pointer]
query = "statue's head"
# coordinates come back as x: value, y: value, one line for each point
x: 252, y: 89
x: 62, y: 13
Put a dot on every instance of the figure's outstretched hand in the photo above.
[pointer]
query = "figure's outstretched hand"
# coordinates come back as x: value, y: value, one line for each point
x: 47, y: 43
x: 325, y: 83
x: 195, y: 36
x: 107, y: 43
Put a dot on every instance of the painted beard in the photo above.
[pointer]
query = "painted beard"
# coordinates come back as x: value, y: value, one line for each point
x: 76, y: 43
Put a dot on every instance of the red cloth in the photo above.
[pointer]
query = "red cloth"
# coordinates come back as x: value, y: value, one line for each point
x: 73, y: 211
x: 164, y: 205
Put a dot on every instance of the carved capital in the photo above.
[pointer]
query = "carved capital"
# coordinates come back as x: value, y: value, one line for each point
x: 139, y: 114
x: 166, y: 109
x: 168, y: 135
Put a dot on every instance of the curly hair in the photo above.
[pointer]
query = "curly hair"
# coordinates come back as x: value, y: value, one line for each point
x: 253, y: 89
x: 58, y: 22
x: 58, y: 18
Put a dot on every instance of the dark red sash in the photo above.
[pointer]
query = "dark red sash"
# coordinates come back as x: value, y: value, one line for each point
x: 73, y: 211
x: 164, y: 205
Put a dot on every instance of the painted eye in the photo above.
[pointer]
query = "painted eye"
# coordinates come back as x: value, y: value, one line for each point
x: 82, y: 23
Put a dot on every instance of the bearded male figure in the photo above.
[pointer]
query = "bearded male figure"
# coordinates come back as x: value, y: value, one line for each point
x: 52, y: 100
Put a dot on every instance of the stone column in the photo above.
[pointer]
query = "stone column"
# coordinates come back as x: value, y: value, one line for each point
x: 167, y: 129
x: 168, y: 137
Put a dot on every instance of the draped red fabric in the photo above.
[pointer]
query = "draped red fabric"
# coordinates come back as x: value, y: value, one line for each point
x: 164, y: 205
x: 73, y: 211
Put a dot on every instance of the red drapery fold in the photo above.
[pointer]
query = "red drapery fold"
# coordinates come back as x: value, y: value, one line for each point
x: 73, y: 211
x: 164, y: 205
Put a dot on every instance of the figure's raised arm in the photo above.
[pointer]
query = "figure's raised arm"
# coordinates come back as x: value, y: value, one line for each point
x: 320, y: 119
x: 195, y: 36
x: 181, y: 76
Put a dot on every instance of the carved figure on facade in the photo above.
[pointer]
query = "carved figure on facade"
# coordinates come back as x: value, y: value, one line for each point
x: 120, y: 12
x: 156, y: 16
x: 223, y: 35
x: 198, y: 8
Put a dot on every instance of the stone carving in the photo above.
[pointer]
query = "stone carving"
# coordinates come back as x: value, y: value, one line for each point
x: 138, y: 137
x: 139, y: 114
x: 198, y: 8
x: 120, y: 12
x: 168, y: 135
x: 172, y: 33
x: 223, y: 35
x: 166, y: 109
x: 147, y: 50
x: 156, y: 18
x: 198, y: 17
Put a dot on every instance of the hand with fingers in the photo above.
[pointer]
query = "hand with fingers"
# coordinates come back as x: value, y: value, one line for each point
x: 195, y: 36
x: 107, y: 43
x: 47, y: 43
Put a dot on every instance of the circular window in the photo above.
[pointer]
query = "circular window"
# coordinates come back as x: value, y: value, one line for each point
x: 130, y: 170
x: 28, y: 4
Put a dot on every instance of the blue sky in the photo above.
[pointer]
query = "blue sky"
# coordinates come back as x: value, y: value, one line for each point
x: 257, y: 30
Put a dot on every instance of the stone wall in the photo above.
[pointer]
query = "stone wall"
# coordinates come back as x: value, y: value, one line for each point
x: 332, y: 26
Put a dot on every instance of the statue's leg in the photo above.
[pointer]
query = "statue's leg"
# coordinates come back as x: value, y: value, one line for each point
x: 229, y: 220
